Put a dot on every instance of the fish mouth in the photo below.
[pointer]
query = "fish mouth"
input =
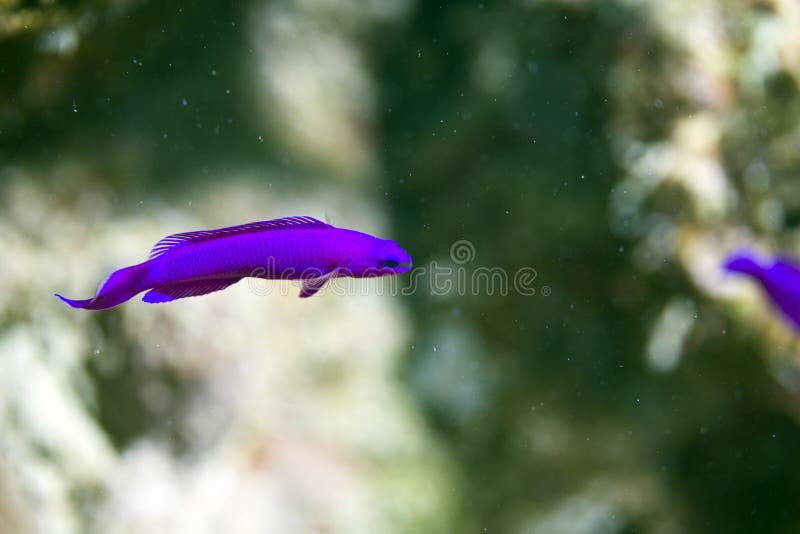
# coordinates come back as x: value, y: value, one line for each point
x: 402, y: 267
x: 404, y: 259
x: 404, y: 263
x: 398, y: 268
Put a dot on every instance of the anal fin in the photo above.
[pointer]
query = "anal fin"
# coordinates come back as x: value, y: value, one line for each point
x: 180, y: 290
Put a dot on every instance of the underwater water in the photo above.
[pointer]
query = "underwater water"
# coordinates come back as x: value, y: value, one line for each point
x: 567, y: 354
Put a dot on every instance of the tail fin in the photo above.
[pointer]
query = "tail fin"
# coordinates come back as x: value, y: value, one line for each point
x: 120, y: 286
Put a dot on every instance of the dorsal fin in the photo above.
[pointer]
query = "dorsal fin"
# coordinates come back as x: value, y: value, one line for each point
x: 286, y: 223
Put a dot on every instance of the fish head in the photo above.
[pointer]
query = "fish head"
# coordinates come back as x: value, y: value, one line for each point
x: 383, y: 257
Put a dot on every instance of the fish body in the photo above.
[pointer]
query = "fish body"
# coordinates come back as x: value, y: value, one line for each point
x: 293, y: 248
x: 779, y: 277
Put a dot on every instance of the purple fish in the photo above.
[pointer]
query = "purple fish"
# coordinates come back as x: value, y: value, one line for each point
x: 293, y: 248
x: 780, y: 278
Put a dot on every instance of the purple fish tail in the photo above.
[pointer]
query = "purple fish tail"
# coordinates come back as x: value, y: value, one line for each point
x: 122, y: 285
x: 779, y: 277
x: 744, y: 261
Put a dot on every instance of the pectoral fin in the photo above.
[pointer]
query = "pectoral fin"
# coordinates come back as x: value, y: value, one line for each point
x: 311, y: 285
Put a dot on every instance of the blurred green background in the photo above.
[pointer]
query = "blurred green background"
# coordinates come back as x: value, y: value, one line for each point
x: 620, y: 148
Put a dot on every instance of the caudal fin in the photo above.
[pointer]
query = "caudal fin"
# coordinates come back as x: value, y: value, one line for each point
x: 75, y: 303
x: 120, y: 286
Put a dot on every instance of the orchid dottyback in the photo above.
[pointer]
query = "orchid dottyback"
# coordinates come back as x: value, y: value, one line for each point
x: 779, y: 277
x: 293, y: 248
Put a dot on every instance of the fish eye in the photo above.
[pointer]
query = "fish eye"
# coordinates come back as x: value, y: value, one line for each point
x: 389, y: 262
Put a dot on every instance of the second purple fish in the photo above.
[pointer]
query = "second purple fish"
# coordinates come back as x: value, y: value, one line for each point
x: 779, y: 277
